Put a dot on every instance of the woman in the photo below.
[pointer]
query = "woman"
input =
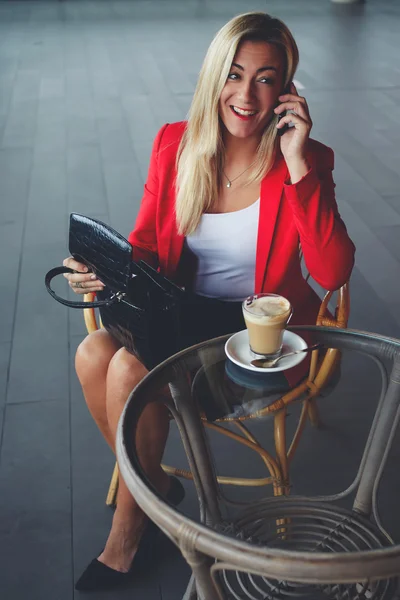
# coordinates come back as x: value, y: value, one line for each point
x: 226, y: 190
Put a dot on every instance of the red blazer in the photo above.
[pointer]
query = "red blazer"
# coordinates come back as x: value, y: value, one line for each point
x: 305, y: 212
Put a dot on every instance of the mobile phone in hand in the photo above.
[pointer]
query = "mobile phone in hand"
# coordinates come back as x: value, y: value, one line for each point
x: 284, y: 113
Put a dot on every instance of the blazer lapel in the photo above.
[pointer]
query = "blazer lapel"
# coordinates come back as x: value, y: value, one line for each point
x: 270, y: 199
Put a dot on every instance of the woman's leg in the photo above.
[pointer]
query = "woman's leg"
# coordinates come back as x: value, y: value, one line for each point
x: 129, y: 522
x: 108, y: 374
x: 91, y: 363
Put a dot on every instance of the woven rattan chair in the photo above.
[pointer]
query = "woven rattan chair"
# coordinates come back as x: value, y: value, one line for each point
x: 322, y: 367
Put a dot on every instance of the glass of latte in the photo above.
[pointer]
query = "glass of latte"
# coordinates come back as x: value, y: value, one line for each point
x: 266, y: 316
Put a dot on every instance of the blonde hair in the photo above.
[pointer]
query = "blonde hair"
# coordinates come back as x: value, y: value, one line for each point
x: 201, y: 153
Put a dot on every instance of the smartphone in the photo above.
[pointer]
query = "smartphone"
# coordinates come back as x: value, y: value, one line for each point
x: 284, y: 113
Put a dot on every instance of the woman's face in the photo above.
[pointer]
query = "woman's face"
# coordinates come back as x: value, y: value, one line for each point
x: 251, y: 91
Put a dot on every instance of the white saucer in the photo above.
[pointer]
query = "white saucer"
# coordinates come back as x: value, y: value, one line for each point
x: 238, y: 351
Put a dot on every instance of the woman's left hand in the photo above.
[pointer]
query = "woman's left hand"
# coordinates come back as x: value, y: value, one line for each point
x: 294, y: 141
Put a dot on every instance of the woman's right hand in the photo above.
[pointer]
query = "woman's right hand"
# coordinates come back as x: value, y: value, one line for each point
x: 83, y: 281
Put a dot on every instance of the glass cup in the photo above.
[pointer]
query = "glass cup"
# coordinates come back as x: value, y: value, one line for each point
x: 266, y: 317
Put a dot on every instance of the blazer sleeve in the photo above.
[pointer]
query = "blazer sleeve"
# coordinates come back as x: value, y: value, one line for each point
x: 144, y: 236
x: 327, y: 248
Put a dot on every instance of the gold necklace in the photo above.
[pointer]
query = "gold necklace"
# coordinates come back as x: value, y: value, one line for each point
x: 230, y: 181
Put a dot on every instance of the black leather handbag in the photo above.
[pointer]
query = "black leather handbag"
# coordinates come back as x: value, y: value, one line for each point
x: 143, y: 310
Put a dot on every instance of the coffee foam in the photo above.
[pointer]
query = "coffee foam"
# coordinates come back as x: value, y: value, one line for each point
x: 268, y: 306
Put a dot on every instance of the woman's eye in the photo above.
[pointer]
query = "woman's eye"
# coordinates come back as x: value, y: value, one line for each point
x: 267, y: 80
x: 233, y: 76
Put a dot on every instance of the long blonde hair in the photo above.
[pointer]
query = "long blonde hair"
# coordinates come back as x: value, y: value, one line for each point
x: 201, y: 153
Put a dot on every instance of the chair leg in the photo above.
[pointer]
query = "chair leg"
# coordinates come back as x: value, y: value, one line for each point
x: 313, y: 413
x: 281, y: 451
x: 191, y: 593
x: 111, y: 499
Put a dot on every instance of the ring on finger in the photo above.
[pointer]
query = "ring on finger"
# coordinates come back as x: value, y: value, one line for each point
x: 79, y: 284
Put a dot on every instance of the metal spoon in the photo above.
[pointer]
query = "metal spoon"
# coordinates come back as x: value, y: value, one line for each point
x: 268, y: 364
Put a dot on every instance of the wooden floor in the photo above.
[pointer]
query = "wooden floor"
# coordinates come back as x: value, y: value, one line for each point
x: 84, y: 87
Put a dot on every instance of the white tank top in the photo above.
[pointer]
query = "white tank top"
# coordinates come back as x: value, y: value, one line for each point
x: 225, y: 247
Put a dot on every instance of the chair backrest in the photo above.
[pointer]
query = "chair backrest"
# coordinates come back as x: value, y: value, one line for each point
x: 321, y: 371
x: 89, y: 314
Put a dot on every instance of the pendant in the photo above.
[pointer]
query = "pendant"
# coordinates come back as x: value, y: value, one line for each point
x: 228, y: 185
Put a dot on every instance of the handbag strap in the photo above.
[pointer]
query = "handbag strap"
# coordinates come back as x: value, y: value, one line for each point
x: 58, y: 271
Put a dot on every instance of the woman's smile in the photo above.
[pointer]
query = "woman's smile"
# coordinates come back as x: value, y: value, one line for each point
x: 243, y: 113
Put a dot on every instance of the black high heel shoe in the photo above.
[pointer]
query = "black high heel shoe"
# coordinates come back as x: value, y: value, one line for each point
x: 97, y: 576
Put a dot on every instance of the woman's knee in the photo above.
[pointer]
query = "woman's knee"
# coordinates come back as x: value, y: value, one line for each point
x: 125, y: 369
x: 94, y: 354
